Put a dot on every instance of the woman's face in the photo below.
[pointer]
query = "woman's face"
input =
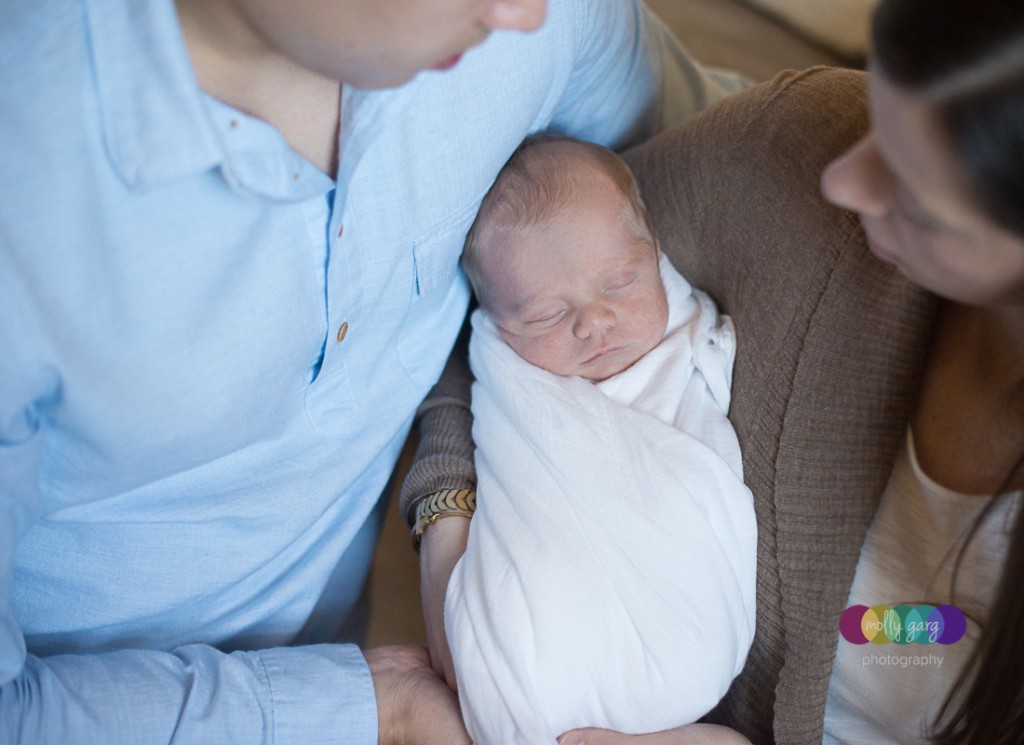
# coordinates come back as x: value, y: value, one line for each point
x: 914, y: 202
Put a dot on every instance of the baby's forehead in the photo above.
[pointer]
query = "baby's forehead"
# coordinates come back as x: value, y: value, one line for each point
x: 545, y: 194
x: 573, y: 163
x: 568, y: 185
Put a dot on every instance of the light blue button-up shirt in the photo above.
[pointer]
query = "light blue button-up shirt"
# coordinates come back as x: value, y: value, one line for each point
x: 191, y: 455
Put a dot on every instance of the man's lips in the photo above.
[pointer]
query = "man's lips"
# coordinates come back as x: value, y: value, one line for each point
x: 447, y: 63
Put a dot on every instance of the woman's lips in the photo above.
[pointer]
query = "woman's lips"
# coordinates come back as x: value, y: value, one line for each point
x: 880, y: 252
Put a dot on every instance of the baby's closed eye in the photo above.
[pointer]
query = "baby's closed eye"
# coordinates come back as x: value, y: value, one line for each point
x: 545, y: 320
x: 620, y: 284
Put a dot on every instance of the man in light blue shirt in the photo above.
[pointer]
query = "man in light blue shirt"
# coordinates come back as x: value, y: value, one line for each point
x: 226, y: 283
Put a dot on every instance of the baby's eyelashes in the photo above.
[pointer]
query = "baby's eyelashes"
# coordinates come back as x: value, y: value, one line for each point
x: 545, y: 320
x: 620, y: 284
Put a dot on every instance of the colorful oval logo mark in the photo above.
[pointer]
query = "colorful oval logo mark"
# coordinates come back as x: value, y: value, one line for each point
x: 903, y: 624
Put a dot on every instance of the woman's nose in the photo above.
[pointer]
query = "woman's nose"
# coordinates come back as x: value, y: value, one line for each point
x: 516, y: 15
x: 859, y: 180
x: 596, y: 317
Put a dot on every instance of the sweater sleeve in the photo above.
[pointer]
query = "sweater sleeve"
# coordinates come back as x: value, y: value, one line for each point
x: 444, y: 452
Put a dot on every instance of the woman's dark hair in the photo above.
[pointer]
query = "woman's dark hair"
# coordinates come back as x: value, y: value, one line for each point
x: 966, y: 59
x: 986, y: 703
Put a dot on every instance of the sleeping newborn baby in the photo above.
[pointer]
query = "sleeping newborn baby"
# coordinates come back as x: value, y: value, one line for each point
x: 608, y: 580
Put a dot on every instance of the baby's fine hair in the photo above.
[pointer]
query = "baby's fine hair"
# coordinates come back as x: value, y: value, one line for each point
x: 540, y: 179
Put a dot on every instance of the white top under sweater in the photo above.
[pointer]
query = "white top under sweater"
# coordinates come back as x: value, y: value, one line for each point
x: 891, y: 693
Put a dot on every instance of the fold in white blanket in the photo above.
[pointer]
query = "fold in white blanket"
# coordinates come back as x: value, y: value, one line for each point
x: 609, y: 575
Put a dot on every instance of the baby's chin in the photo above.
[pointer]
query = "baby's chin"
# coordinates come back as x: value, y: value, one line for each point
x: 600, y: 378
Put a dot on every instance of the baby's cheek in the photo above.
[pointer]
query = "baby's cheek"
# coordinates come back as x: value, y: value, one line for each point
x: 652, y: 319
x: 543, y: 351
x: 520, y: 346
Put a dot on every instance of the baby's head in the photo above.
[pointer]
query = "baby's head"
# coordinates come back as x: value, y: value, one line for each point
x: 563, y: 257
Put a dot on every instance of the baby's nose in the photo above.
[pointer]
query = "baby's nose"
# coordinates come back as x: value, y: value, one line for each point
x: 596, y: 317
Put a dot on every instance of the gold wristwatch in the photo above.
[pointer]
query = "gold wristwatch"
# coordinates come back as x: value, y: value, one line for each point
x: 438, y: 504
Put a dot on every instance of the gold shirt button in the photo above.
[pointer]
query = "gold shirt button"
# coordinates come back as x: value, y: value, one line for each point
x: 342, y: 330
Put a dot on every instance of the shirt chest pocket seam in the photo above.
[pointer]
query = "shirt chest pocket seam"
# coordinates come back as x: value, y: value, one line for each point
x: 429, y: 269
x: 436, y: 289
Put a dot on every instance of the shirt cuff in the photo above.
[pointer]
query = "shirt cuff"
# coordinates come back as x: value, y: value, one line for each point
x: 321, y: 694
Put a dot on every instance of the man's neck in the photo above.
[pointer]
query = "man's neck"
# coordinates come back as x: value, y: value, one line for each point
x: 234, y: 64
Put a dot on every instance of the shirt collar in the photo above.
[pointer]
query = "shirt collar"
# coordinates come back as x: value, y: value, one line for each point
x: 153, y: 116
x: 159, y: 125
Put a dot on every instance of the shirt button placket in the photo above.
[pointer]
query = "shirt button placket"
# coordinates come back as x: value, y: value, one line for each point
x: 343, y: 328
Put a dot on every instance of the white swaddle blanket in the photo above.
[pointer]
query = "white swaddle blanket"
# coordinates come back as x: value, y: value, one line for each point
x: 608, y: 579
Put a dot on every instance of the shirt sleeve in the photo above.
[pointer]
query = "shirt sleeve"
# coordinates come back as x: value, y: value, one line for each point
x: 301, y: 695
x: 631, y: 77
x: 315, y: 694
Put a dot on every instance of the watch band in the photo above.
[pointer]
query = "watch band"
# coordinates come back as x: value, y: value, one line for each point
x: 438, y: 504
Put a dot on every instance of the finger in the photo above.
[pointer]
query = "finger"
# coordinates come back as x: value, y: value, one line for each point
x: 596, y: 736
x: 434, y: 702
x: 593, y: 736
x: 688, y: 734
x: 409, y: 694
